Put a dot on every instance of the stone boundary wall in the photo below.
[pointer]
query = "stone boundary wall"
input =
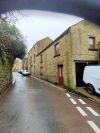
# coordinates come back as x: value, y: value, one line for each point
x: 5, y: 77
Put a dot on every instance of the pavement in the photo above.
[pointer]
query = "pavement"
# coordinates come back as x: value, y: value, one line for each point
x: 94, y: 97
x: 83, y: 92
x: 33, y: 106
x: 13, y: 81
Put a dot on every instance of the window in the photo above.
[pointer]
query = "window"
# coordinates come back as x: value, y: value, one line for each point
x: 30, y: 60
x: 57, y: 49
x: 92, y: 43
x: 41, y: 60
x: 34, y: 58
x: 34, y: 70
x: 41, y: 70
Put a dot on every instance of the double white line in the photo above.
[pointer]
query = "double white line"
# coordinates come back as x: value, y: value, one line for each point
x: 81, y: 101
x: 94, y: 126
x: 68, y: 95
x: 92, y: 111
x: 89, y: 108
x: 82, y: 112
x: 73, y: 101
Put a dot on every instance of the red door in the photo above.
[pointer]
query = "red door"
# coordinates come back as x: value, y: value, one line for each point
x: 60, y: 75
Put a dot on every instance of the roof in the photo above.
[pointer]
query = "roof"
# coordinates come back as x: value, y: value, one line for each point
x: 38, y: 42
x: 59, y: 37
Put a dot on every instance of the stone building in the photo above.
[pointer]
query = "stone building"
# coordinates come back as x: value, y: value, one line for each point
x: 63, y: 60
x: 25, y: 63
x: 37, y: 48
x: 17, y: 65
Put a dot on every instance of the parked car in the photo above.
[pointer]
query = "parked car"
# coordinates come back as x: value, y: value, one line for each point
x: 91, y: 78
x: 25, y: 73
x: 20, y: 71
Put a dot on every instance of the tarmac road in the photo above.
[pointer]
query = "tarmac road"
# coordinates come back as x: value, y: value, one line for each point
x: 33, y: 106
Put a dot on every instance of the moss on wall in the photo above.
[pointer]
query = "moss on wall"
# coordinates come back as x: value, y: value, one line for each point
x: 5, y: 69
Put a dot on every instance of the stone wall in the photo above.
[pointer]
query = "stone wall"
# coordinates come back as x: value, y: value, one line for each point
x: 5, y: 69
x: 73, y: 46
x: 5, y: 77
x: 32, y: 59
x: 48, y: 68
x: 80, y: 34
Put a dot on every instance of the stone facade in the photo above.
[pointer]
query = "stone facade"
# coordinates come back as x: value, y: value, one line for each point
x: 80, y: 52
x: 17, y: 65
x: 25, y: 63
x: 32, y: 59
x: 73, y: 48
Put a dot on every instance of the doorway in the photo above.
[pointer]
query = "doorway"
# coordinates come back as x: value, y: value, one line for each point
x: 60, y: 75
x: 80, y: 69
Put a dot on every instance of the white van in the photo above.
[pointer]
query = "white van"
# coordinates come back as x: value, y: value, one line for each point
x: 91, y: 78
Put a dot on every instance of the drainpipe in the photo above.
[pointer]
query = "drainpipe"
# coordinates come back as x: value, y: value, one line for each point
x: 99, y: 53
x: 70, y: 59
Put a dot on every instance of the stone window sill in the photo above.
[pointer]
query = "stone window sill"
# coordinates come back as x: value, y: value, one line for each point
x: 57, y: 55
x: 93, y: 49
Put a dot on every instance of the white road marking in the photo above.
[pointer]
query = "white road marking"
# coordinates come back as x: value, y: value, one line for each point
x: 67, y: 94
x: 73, y: 101
x: 82, y: 112
x: 94, y: 126
x: 92, y: 111
x: 81, y: 101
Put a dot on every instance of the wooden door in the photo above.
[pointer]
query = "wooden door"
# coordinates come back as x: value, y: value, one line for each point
x: 60, y: 75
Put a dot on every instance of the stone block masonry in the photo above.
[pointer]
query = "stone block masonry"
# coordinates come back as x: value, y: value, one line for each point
x: 62, y: 62
x: 5, y: 77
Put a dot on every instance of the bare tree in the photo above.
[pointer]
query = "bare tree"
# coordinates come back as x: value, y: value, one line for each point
x: 9, y: 17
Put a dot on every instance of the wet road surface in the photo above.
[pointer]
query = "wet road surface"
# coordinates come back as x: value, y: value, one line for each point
x: 33, y: 106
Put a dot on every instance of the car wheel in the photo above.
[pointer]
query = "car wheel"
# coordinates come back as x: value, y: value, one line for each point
x: 90, y: 89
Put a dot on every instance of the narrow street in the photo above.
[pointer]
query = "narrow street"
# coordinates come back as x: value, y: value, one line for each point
x: 33, y: 106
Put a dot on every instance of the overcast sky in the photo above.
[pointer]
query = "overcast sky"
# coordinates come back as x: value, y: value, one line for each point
x: 36, y: 25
